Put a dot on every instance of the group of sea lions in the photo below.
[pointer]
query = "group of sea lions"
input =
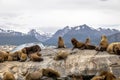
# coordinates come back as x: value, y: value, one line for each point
x: 50, y: 74
x: 32, y: 52
x: 40, y: 74
x: 112, y: 48
x: 102, y: 75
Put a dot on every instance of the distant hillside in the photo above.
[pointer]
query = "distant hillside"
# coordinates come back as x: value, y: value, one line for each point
x: 81, y: 33
x: 114, y: 37
x: 17, y: 40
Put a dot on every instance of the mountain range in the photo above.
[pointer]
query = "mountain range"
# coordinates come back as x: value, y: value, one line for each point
x: 10, y: 37
x: 114, y: 37
x: 80, y: 32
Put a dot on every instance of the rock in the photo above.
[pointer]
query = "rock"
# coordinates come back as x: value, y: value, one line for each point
x: 80, y: 62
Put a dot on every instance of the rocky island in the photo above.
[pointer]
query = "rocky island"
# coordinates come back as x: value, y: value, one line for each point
x: 85, y: 63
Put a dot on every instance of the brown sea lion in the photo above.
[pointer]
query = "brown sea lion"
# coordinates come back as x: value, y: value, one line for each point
x: 103, y: 43
x: 77, y: 44
x: 61, y: 55
x: 3, y: 56
x: 35, y: 57
x: 114, y: 48
x: 87, y: 42
x: 61, y: 42
x: 75, y: 77
x: 8, y: 76
x: 22, y: 56
x: 34, y: 75
x: 98, y: 78
x: 17, y: 56
x: 31, y: 49
x: 51, y: 73
x: 104, y: 75
x: 108, y: 75
x: 10, y: 58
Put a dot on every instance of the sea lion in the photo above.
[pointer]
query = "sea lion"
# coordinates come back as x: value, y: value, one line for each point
x: 31, y: 49
x: 104, y: 75
x: 103, y: 43
x: 88, y: 41
x: 8, y: 76
x: 51, y: 73
x: 61, y: 42
x: 36, y: 75
x: 3, y: 56
x: 114, y: 48
x: 35, y: 57
x: 61, y: 55
x: 77, y: 44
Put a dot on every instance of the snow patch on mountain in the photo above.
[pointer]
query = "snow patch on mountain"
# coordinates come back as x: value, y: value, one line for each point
x: 77, y: 28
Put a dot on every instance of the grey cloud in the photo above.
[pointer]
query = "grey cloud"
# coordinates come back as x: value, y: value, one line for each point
x: 103, y: 0
x: 10, y: 25
x: 25, y: 5
x: 6, y: 16
x: 14, y: 24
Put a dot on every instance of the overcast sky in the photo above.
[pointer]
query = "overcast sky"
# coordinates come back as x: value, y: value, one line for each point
x: 50, y: 15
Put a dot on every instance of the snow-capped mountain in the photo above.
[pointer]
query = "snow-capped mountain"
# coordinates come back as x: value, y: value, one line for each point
x: 1, y: 30
x: 62, y: 32
x: 10, y: 32
x: 11, y: 37
x: 47, y: 34
x: 41, y: 37
x: 14, y: 37
x: 34, y: 35
x: 81, y: 33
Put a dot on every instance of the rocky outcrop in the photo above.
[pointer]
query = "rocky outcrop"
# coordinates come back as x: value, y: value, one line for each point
x: 78, y: 62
